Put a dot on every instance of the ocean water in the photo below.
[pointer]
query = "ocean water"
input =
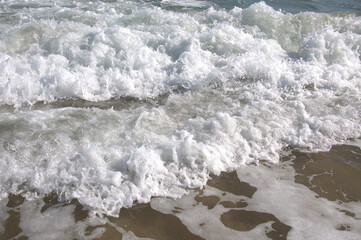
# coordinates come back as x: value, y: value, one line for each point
x: 113, y: 103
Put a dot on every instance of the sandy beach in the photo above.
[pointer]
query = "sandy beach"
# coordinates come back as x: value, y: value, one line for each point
x: 268, y: 201
x: 180, y: 119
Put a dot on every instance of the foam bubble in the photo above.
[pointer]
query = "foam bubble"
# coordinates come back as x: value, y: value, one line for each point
x: 147, y: 51
x: 56, y: 221
x: 108, y: 159
x: 236, y: 87
x: 296, y: 209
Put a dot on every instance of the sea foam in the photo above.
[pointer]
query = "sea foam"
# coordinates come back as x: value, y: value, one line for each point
x: 231, y: 87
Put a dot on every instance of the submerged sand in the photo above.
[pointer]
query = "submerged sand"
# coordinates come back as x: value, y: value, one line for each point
x: 305, y: 196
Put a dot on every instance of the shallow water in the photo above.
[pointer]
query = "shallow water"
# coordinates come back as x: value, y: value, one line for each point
x: 308, y: 196
x: 111, y: 104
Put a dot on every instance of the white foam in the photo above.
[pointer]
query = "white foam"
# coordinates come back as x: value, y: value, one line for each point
x: 309, y: 216
x: 55, y: 222
x: 100, y: 54
x: 108, y: 159
x: 186, y: 3
x: 249, y: 94
x: 52, y: 224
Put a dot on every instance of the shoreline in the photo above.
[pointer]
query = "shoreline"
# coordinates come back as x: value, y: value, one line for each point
x: 244, y: 203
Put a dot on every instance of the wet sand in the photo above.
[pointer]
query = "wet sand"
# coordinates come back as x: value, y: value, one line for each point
x: 244, y: 204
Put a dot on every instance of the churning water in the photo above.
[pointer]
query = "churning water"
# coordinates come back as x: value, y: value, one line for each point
x: 116, y: 102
